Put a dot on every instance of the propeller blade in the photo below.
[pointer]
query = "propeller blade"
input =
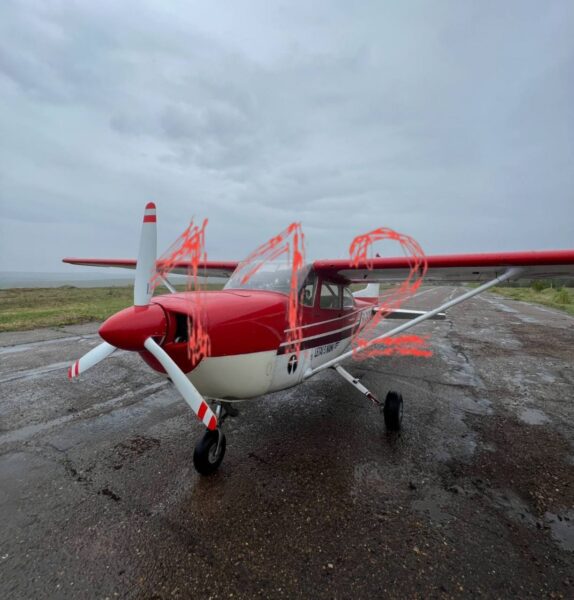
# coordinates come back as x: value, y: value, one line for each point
x: 183, y: 384
x: 93, y: 357
x: 145, y: 268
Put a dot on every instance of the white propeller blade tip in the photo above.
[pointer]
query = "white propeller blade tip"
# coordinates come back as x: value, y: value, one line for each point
x: 74, y: 370
x: 93, y: 357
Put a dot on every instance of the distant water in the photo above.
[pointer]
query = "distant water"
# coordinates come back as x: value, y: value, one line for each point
x: 37, y: 280
x: 33, y: 280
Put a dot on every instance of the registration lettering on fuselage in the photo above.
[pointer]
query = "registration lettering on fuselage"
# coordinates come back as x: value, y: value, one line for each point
x: 320, y: 350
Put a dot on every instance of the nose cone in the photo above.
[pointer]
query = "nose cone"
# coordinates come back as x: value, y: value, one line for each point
x: 130, y: 328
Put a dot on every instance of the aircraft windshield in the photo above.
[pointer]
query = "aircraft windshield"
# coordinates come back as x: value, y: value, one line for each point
x: 274, y: 277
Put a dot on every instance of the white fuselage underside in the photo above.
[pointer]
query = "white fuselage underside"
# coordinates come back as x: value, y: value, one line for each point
x: 243, y: 376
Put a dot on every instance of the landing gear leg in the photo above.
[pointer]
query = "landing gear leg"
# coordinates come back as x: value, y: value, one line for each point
x: 210, y: 450
x: 392, y: 407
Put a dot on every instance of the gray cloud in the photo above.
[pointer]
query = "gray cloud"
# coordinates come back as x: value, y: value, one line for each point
x: 450, y: 122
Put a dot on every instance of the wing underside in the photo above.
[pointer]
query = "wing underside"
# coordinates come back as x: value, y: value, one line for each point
x: 454, y: 268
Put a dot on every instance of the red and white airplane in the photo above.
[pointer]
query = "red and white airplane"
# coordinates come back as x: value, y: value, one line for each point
x: 251, y: 351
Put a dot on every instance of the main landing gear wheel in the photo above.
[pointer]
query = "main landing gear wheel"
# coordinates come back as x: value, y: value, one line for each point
x: 393, y: 411
x: 209, y: 452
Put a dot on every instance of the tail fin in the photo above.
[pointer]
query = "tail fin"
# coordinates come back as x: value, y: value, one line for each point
x: 371, y: 291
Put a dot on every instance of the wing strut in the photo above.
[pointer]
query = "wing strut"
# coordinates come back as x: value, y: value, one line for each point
x: 168, y: 284
x: 509, y: 274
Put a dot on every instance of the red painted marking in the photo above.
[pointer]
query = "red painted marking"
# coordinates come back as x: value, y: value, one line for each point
x: 150, y: 219
x: 202, y: 410
x: 493, y: 259
x: 69, y: 372
x: 212, y: 423
x: 416, y: 261
x: 150, y: 205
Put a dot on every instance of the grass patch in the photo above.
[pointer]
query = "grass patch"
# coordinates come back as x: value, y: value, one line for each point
x: 29, y: 308
x: 562, y: 298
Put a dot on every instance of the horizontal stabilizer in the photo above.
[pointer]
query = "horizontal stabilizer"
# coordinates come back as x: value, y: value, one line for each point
x: 410, y: 314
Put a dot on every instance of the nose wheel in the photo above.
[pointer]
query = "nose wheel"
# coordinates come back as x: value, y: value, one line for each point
x: 209, y: 452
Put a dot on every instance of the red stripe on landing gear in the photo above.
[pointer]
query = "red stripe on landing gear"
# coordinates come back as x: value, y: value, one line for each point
x: 212, y: 424
x: 202, y: 410
x: 74, y: 370
x: 150, y: 219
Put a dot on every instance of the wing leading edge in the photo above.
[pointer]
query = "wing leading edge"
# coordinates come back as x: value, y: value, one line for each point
x: 210, y: 268
x: 454, y: 267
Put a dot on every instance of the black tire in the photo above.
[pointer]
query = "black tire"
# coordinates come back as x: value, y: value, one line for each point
x: 205, y: 459
x: 393, y: 411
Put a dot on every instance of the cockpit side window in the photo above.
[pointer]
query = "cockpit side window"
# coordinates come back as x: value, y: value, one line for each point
x: 330, y: 296
x: 348, y: 300
x: 308, y: 290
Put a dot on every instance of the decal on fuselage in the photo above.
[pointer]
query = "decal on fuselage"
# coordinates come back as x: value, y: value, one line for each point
x: 292, y: 364
x: 320, y: 350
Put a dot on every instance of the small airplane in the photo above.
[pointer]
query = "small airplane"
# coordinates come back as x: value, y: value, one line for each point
x: 253, y: 350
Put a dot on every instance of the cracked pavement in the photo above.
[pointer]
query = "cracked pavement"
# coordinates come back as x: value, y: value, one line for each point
x: 475, y: 497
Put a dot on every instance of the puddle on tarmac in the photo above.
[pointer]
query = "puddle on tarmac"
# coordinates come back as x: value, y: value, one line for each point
x: 533, y: 416
x: 433, y: 506
x: 514, y: 507
x: 562, y: 528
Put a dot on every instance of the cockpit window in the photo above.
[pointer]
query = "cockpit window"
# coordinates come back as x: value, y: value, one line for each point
x: 348, y: 300
x: 308, y: 291
x: 271, y: 276
x: 330, y: 295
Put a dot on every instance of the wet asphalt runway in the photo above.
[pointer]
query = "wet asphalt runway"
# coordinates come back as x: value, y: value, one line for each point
x: 475, y: 497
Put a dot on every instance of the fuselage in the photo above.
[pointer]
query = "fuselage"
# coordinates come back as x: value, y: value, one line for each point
x: 252, y: 350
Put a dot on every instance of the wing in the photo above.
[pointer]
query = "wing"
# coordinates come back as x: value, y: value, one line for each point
x: 210, y: 268
x: 454, y: 267
x: 495, y: 268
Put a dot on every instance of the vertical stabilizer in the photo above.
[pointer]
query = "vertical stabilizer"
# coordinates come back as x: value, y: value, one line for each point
x: 371, y: 291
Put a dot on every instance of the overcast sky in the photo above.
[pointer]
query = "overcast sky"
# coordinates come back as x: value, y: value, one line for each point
x: 450, y: 121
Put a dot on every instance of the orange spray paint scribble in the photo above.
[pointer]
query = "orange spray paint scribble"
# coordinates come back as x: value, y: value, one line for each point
x: 291, y: 244
x: 190, y: 248
x: 407, y: 345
